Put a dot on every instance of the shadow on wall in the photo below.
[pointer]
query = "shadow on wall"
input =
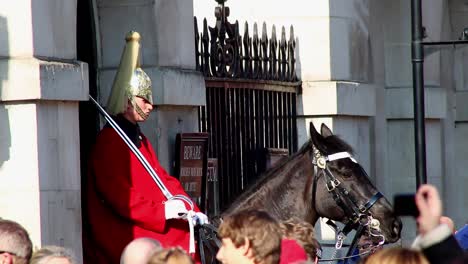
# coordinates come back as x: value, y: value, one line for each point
x: 5, y: 137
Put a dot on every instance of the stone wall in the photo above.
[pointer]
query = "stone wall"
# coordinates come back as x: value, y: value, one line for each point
x: 40, y: 86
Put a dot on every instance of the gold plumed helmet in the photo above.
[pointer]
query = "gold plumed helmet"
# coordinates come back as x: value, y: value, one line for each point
x: 130, y: 80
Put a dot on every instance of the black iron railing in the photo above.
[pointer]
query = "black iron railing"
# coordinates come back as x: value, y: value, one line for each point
x: 251, y: 89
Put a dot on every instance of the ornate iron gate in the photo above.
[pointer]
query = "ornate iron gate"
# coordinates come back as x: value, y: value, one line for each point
x: 251, y: 89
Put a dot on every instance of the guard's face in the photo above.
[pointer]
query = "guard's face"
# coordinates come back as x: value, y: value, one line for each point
x: 228, y: 253
x: 134, y: 115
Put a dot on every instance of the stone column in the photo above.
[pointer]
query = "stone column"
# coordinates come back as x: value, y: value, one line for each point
x: 40, y: 86
x: 168, y: 56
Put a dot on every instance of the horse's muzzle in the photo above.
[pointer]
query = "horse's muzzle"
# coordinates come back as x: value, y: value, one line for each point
x: 396, y: 231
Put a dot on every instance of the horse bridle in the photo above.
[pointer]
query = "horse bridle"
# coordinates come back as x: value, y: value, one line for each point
x: 355, y: 213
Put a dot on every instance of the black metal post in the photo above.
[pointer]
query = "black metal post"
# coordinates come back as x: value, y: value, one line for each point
x: 417, y: 57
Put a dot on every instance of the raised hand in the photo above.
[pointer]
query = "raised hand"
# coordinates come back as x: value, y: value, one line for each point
x: 430, y: 208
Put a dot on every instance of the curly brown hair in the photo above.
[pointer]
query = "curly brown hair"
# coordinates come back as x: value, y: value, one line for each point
x: 259, y: 228
x: 303, y: 233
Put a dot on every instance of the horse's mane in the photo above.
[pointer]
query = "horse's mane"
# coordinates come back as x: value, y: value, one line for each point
x: 333, y: 141
x: 268, y: 175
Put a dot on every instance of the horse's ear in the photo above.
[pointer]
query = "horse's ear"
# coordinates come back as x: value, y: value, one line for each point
x: 314, y: 135
x: 317, y: 139
x: 325, y: 131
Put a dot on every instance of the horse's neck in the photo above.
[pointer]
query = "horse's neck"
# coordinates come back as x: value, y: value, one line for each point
x: 286, y: 193
x: 256, y: 200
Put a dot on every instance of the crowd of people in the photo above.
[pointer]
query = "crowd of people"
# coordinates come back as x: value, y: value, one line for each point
x: 254, y: 237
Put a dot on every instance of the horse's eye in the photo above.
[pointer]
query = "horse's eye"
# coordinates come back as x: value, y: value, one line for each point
x: 347, y: 174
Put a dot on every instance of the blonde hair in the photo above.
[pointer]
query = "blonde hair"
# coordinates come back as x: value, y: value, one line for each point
x: 174, y: 255
x: 397, y: 255
x: 47, y: 253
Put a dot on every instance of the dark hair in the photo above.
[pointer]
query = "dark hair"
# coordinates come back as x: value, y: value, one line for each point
x: 259, y: 228
x: 15, y: 240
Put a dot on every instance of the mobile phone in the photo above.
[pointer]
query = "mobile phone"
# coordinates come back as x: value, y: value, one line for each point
x: 405, y: 205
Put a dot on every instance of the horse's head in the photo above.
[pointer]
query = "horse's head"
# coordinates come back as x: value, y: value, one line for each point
x: 341, y: 180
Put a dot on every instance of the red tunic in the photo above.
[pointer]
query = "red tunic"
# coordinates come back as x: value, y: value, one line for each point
x: 124, y: 203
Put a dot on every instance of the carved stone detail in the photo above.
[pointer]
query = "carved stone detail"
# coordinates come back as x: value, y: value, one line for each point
x: 222, y: 52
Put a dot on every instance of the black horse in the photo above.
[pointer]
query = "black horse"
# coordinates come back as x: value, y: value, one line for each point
x: 293, y: 188
x: 321, y: 180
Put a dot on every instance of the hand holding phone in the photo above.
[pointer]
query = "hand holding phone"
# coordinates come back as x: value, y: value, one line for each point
x: 430, y: 207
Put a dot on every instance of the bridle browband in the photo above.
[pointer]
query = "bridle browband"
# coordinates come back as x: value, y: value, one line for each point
x: 357, y: 215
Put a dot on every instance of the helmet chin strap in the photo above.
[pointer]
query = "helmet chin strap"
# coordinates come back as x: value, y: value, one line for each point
x: 139, y: 111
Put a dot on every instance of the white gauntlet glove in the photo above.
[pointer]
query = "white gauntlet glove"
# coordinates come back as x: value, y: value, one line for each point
x: 175, y: 209
x: 200, y: 218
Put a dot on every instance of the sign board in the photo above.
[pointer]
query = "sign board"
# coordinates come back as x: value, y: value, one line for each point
x: 212, y: 189
x: 191, y: 164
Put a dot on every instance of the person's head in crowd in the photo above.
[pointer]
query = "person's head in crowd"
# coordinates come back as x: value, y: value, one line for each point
x: 139, y: 251
x: 53, y: 255
x: 15, y: 244
x: 174, y: 255
x: 249, y: 236
x: 396, y: 255
x: 303, y: 233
